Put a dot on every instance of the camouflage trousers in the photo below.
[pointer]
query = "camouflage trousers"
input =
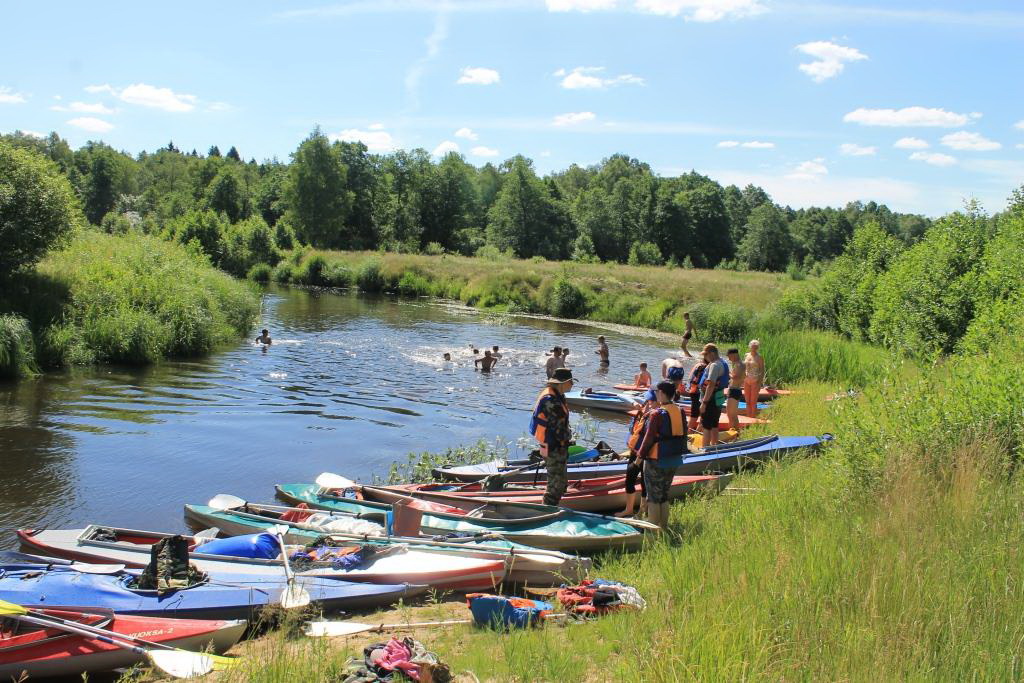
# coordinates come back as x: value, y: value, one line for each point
x: 558, y: 478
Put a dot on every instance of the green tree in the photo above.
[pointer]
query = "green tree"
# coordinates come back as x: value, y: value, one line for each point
x: 317, y: 195
x: 706, y: 208
x: 766, y: 244
x: 206, y: 229
x: 447, y: 201
x: 361, y: 181
x: 524, y: 218
x: 106, y: 180
x: 38, y: 208
x: 214, y: 151
x: 226, y: 194
x: 233, y: 154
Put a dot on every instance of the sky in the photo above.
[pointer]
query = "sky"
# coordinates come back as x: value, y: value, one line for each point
x: 915, y: 104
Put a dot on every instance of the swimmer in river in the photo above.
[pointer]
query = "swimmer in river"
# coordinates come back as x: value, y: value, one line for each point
x: 447, y: 357
x: 264, y: 338
x: 565, y: 356
x: 486, y: 363
x: 602, y: 350
x: 495, y: 352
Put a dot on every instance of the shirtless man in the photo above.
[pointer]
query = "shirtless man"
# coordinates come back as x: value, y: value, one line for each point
x: 737, y: 374
x: 264, y: 338
x: 687, y: 334
x: 495, y: 353
x: 602, y: 350
x: 668, y: 364
x: 486, y: 363
x: 554, y: 362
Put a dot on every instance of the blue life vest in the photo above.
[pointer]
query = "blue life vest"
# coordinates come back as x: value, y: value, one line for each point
x: 723, y: 377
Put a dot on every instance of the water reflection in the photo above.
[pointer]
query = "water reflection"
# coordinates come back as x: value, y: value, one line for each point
x: 350, y: 384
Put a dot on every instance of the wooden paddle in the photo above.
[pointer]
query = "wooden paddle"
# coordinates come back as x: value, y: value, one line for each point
x: 171, y: 660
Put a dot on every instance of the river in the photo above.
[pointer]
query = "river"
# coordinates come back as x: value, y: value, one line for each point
x: 351, y: 384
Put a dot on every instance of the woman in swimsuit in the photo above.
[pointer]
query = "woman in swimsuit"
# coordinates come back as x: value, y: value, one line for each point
x: 754, y: 365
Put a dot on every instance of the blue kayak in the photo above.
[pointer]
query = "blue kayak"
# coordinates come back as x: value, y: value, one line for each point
x: 234, y: 596
x: 728, y: 457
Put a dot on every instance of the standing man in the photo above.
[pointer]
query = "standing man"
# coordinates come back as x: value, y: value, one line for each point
x: 687, y: 334
x: 550, y: 426
x: 714, y: 382
x: 737, y: 373
x: 662, y: 451
x: 602, y: 351
x: 486, y: 363
x: 554, y: 362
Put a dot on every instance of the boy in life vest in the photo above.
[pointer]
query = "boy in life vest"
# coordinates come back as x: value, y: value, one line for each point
x: 634, y: 469
x: 693, y: 391
x: 550, y: 426
x: 662, y: 450
x: 714, y: 383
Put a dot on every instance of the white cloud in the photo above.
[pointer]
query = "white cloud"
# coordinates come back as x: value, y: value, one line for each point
x: 851, y: 149
x: 970, y: 142
x: 751, y: 144
x: 376, y: 126
x: 85, y: 108
x: 546, y: 153
x: 376, y: 140
x: 573, y: 118
x: 8, y: 96
x: 1020, y: 146
x: 146, y: 95
x: 444, y: 148
x: 482, y: 151
x: 30, y: 133
x: 219, y: 106
x: 809, y: 170
x: 466, y: 133
x: 433, y: 43
x: 933, y: 158
x: 91, y: 124
x: 910, y: 143
x: 584, y: 77
x: 106, y: 88
x: 580, y: 5
x: 829, y: 59
x: 1019, y: 125
x: 908, y: 116
x: 702, y: 10
x: 476, y: 75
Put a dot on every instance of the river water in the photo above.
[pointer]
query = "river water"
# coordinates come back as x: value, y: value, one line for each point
x: 350, y: 385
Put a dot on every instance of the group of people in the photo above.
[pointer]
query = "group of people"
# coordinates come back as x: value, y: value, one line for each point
x: 658, y: 436
x: 558, y: 357
x: 485, y: 362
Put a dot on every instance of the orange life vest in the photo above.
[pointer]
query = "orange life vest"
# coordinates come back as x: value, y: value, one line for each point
x: 637, y: 429
x: 539, y: 422
x: 671, y: 443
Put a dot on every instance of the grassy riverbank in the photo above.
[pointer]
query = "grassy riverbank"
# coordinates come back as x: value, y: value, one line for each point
x: 130, y: 299
x: 723, y: 304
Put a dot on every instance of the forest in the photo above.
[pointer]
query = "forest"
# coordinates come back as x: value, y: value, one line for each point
x: 336, y: 195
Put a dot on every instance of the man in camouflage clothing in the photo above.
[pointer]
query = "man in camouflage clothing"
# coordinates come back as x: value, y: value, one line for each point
x: 550, y: 426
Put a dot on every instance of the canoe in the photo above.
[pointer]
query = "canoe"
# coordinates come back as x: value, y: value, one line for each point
x: 729, y: 457
x: 231, y: 596
x: 589, y: 495
x: 42, y: 652
x: 424, y: 565
x: 603, y: 400
x: 766, y: 394
x: 540, y: 526
x: 576, y: 531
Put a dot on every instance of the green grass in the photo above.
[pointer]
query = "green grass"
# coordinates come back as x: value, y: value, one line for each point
x: 17, y: 353
x: 130, y: 299
x: 723, y: 304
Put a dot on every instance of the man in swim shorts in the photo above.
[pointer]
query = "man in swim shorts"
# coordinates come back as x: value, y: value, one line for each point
x: 737, y: 373
x: 264, y: 338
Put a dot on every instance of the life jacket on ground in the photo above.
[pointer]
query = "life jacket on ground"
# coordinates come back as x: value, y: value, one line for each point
x: 500, y: 612
x: 539, y: 422
x: 671, y: 442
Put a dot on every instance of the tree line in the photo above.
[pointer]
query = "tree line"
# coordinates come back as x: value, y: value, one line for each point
x: 337, y: 195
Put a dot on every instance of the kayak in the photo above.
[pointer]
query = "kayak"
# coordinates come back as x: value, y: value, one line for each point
x: 590, y: 495
x: 523, y: 563
x: 399, y: 564
x: 604, y: 400
x: 43, y: 652
x: 231, y: 596
x: 729, y: 457
x: 540, y: 526
x: 685, y: 401
x: 766, y: 393
x: 723, y: 421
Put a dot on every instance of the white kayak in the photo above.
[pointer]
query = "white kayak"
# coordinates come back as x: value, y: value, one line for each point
x: 603, y: 400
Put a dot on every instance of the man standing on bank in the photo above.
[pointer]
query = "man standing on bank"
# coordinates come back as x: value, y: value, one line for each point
x: 662, y: 451
x: 550, y: 426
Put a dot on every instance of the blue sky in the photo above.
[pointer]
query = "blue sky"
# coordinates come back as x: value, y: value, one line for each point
x: 915, y: 104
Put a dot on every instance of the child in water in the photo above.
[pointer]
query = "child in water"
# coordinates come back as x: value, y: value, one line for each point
x: 264, y: 338
x: 643, y: 378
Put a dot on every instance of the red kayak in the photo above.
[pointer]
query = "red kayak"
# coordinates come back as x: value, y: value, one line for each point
x: 42, y: 652
x: 767, y: 393
x: 606, y: 494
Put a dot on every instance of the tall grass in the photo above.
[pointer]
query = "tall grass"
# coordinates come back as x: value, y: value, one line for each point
x: 129, y: 299
x: 17, y: 356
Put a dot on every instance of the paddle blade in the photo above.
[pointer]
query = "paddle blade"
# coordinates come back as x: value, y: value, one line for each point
x: 206, y: 535
x: 225, y: 501
x: 327, y: 480
x: 294, y: 596
x: 8, y: 608
x: 278, y: 530
x: 86, y: 568
x: 181, y: 663
x: 336, y: 628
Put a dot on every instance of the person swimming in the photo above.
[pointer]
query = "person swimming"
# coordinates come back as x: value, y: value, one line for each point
x: 447, y: 357
x: 264, y: 338
x: 495, y: 352
x: 486, y: 363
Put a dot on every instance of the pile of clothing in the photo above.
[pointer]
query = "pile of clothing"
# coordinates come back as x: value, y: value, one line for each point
x: 345, y: 557
x: 599, y: 597
x: 408, y: 656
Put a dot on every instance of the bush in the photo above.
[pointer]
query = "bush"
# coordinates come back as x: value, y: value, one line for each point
x: 283, y: 272
x: 38, y: 208
x: 721, y: 322
x: 490, y: 253
x: 17, y: 355
x: 433, y: 249
x: 115, y: 224
x: 312, y: 271
x: 645, y: 254
x: 370, y: 276
x: 567, y: 300
x: 261, y: 272
x: 247, y: 243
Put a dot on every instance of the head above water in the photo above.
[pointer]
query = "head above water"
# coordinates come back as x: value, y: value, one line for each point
x: 557, y: 350
x: 494, y: 348
x: 447, y: 356
x: 565, y: 352
x: 487, y: 353
x: 601, y: 339
x: 266, y: 332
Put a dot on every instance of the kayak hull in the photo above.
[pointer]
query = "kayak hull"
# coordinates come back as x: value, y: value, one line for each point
x: 40, y: 652
x: 602, y: 400
x: 730, y: 457
x: 419, y: 566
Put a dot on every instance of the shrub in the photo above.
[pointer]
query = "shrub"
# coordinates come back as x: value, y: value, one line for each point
x: 645, y: 254
x: 38, y: 208
x: 337, y: 275
x: 413, y: 284
x: 17, y: 355
x: 247, y: 243
x: 490, y: 253
x: 433, y: 249
x: 283, y: 272
x: 312, y: 271
x: 370, y: 276
x: 720, y: 322
x: 567, y: 300
x: 261, y: 273
x: 115, y: 224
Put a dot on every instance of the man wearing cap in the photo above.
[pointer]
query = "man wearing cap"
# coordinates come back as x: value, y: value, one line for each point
x: 550, y: 426
x: 554, y: 362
